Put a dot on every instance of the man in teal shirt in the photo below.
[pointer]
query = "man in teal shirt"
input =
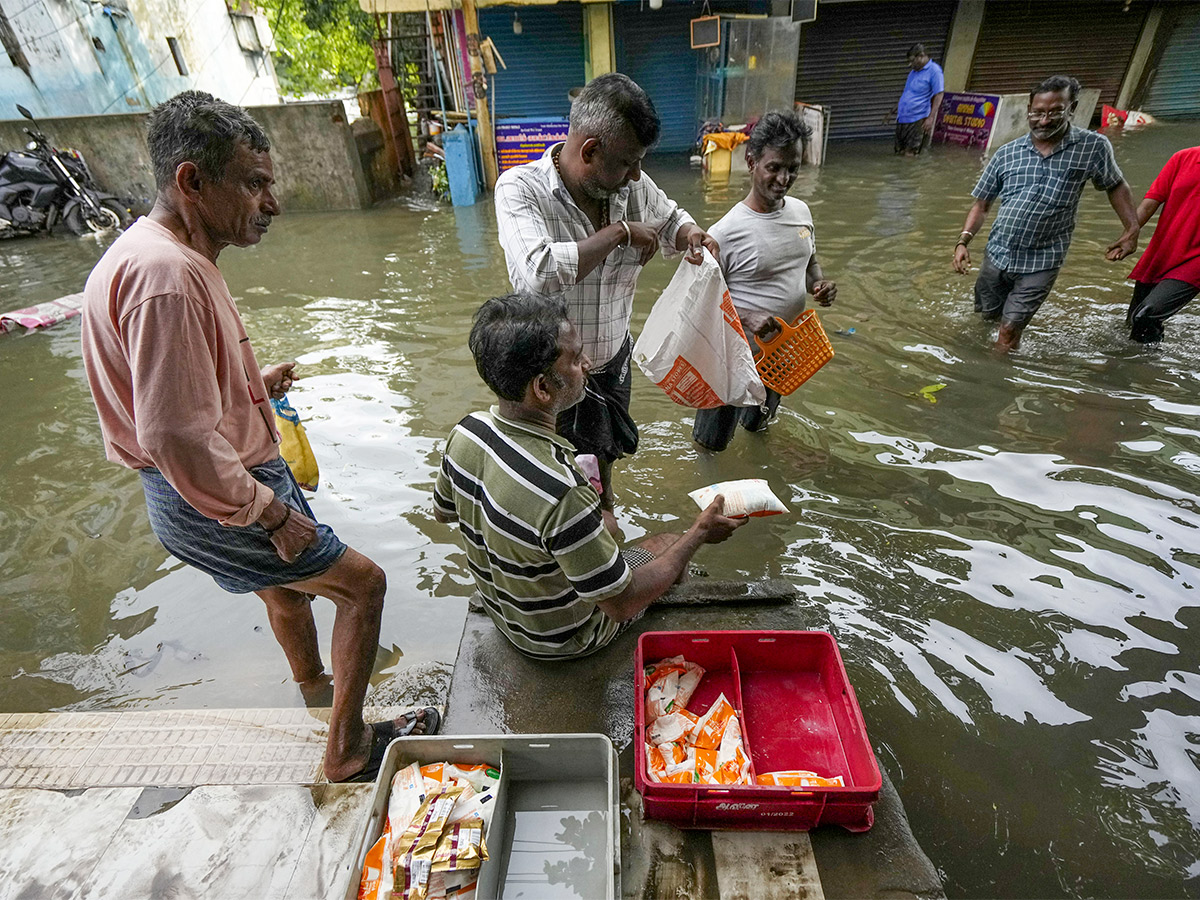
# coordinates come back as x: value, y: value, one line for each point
x: 917, y: 110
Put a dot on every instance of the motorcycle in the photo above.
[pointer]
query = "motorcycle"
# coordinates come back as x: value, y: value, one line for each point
x: 43, y: 187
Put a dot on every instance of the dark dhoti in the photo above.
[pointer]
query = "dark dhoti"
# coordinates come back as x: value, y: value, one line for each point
x: 600, y: 423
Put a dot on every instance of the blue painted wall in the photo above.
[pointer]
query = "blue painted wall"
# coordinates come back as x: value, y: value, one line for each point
x: 76, y: 58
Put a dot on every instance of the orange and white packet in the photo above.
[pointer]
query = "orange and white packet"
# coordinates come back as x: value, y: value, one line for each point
x: 670, y: 684
x: 376, y: 883
x: 799, y: 778
x: 711, y: 727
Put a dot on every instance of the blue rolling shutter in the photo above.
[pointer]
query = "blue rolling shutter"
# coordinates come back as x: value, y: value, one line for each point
x: 654, y: 48
x: 1175, y: 91
x: 544, y: 61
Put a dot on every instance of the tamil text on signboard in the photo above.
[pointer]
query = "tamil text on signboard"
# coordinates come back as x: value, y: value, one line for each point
x: 966, y: 119
x: 520, y: 141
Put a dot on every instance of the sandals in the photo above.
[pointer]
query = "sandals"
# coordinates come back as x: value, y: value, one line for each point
x: 382, y: 734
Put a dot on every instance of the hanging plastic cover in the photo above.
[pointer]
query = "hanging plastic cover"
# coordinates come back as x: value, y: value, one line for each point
x: 693, y: 346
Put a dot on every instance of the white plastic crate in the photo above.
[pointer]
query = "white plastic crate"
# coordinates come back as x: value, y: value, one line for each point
x: 555, y: 829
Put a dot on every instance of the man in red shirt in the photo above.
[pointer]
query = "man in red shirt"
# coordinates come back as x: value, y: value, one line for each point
x: 1168, y: 274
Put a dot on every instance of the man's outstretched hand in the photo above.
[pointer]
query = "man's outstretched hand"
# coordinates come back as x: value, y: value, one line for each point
x: 713, y: 525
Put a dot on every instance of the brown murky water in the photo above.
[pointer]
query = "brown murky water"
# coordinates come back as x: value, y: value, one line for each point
x: 1011, y: 571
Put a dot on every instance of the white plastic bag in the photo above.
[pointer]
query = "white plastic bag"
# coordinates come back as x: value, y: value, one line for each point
x: 693, y: 346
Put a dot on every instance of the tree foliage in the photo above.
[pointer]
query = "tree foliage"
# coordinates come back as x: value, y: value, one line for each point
x: 322, y: 46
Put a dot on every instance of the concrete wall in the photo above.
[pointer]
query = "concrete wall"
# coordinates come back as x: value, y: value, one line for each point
x: 74, y: 57
x: 317, y: 163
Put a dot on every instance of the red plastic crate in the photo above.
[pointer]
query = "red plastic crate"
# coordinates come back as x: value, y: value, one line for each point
x: 798, y: 711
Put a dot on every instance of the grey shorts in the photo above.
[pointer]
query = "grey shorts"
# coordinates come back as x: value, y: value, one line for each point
x: 1011, y: 298
x: 240, y: 560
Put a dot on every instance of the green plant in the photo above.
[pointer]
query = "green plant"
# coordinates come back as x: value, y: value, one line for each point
x: 440, y: 181
x: 321, y: 46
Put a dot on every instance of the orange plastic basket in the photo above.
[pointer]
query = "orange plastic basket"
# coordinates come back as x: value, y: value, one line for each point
x: 792, y: 357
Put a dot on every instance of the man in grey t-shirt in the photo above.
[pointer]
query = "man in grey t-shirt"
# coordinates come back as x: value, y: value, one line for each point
x: 768, y: 258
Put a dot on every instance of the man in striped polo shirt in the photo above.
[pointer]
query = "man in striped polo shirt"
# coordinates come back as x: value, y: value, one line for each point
x: 1038, y: 179
x: 549, y: 573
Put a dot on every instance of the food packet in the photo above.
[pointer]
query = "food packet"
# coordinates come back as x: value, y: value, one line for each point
x: 669, y: 728
x: 706, y: 766
x: 799, y: 778
x: 656, y: 768
x: 683, y: 771
x: 479, y: 776
x: 589, y: 464
x: 733, y: 766
x: 413, y: 852
x: 670, y: 684
x: 453, y: 885
x: 475, y: 806
x: 745, y: 497
x: 711, y: 727
x: 461, y: 846
x: 376, y: 883
x: 405, y: 798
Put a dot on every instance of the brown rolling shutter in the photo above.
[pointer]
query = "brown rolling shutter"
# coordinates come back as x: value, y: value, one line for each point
x: 1023, y: 41
x: 852, y: 58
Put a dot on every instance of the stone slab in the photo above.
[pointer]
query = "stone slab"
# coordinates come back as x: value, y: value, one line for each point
x: 289, y: 842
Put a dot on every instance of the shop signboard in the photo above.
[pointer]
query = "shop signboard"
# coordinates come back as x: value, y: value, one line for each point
x: 519, y: 141
x: 966, y: 119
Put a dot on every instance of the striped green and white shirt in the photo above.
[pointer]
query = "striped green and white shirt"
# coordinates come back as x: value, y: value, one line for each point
x: 534, y: 535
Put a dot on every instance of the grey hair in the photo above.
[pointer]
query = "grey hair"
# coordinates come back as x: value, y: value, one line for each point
x: 197, y: 127
x: 610, y: 103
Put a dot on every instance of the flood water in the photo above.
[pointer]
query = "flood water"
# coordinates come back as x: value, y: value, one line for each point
x: 1011, y: 571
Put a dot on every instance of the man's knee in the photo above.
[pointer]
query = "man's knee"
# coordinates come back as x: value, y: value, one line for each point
x: 353, y: 579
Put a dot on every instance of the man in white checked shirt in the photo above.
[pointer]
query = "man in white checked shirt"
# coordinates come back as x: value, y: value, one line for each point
x: 580, y: 223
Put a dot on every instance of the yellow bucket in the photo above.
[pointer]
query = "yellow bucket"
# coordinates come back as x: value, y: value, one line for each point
x: 794, y: 355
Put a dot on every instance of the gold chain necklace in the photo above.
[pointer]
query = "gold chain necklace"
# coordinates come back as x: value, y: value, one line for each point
x: 604, y: 222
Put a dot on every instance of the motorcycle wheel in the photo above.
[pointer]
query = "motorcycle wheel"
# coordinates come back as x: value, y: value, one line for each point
x: 112, y: 215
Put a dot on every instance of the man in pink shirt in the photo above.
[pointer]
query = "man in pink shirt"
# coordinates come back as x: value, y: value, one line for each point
x: 182, y: 400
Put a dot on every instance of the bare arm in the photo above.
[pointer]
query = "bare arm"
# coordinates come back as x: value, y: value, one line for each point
x: 595, y: 248
x: 1121, y: 198
x: 934, y: 105
x: 1146, y: 210
x: 651, y: 581
x: 975, y: 216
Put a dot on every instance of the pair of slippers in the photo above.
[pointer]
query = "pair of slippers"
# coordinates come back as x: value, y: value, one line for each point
x: 383, y: 733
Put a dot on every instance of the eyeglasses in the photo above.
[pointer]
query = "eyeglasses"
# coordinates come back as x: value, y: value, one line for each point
x: 1050, y: 115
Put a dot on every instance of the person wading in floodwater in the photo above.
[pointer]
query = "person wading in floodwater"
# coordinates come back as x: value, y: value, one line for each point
x: 580, y: 223
x: 769, y: 260
x: 1039, y: 179
x: 182, y: 400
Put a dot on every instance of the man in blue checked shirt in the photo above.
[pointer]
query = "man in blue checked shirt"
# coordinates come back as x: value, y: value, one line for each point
x: 1039, y: 179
